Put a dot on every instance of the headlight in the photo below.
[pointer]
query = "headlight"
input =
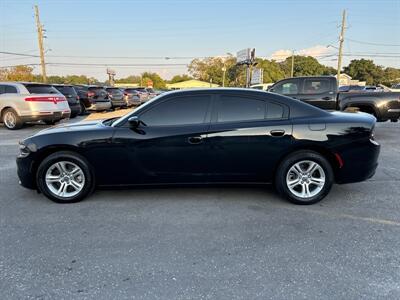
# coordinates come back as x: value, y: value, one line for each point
x: 25, y: 150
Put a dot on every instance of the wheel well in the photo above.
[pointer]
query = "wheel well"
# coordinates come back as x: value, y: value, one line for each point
x: 367, y: 108
x: 327, y: 154
x: 48, y: 151
x: 2, y: 112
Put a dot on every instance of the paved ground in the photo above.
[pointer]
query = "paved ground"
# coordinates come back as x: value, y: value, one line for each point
x: 202, y: 243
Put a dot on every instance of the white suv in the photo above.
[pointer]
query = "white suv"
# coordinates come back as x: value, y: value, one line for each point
x: 22, y: 102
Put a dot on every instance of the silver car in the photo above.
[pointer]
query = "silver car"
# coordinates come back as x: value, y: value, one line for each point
x: 22, y: 102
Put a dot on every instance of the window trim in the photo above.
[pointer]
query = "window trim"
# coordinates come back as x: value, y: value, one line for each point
x: 206, y: 120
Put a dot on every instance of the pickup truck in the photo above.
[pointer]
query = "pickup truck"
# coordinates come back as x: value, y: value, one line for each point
x: 322, y: 91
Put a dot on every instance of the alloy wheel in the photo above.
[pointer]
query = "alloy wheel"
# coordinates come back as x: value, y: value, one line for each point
x: 10, y: 119
x: 65, y: 179
x: 305, y: 179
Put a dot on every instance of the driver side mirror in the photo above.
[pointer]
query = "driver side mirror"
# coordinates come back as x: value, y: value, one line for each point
x: 134, y: 121
x: 271, y: 90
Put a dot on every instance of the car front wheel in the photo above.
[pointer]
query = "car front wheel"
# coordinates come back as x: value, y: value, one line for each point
x: 65, y: 177
x: 305, y: 177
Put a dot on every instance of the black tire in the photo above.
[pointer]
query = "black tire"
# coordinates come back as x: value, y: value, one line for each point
x: 67, y: 156
x: 83, y: 109
x: 51, y: 123
x: 291, y: 160
x: 17, y: 121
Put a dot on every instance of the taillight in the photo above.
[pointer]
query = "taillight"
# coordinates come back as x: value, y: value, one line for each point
x: 90, y: 94
x: 45, y: 99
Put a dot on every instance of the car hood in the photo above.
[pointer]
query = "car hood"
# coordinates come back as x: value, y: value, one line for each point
x: 79, y: 126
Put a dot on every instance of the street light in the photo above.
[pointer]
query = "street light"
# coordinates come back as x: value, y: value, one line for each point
x: 223, y: 76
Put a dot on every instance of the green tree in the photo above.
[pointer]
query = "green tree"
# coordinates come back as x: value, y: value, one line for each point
x: 180, y: 78
x: 158, y: 82
x: 19, y: 73
x: 129, y: 79
x: 391, y: 76
x: 272, y: 70
x: 305, y: 66
x: 365, y: 70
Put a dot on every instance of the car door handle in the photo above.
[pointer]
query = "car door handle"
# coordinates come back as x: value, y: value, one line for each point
x: 277, y: 133
x: 195, y: 140
x: 327, y: 98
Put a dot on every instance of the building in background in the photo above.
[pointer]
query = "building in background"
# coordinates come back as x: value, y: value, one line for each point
x: 347, y: 80
x: 190, y: 84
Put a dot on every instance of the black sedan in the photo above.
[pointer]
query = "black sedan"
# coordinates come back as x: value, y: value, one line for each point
x: 202, y: 137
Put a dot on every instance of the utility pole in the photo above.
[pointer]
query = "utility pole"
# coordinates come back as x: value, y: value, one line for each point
x: 223, y: 76
x: 292, y: 69
x: 40, y: 39
x: 341, y: 40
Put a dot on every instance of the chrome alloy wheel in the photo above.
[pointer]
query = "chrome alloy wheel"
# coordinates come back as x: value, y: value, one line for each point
x: 65, y: 179
x: 305, y: 179
x: 9, y: 119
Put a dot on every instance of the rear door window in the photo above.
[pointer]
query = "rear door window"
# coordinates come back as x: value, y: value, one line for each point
x: 9, y: 89
x: 2, y: 89
x: 40, y: 89
x: 240, y: 108
x: 275, y: 111
x: 316, y: 86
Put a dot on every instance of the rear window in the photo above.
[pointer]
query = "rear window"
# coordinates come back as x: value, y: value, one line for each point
x: 96, y: 89
x: 130, y: 90
x: 40, y: 89
x: 114, y: 90
x: 66, y: 90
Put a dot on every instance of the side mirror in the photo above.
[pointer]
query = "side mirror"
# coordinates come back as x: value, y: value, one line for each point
x: 271, y: 90
x: 134, y: 122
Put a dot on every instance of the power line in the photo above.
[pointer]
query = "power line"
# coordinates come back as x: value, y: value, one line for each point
x: 375, y: 44
x: 18, y: 54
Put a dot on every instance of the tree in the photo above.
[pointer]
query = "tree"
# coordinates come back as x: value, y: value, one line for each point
x: 391, y: 76
x: 158, y: 82
x: 272, y: 70
x: 211, y: 68
x: 305, y: 66
x: 365, y: 70
x: 19, y: 73
x: 129, y: 79
x: 180, y: 78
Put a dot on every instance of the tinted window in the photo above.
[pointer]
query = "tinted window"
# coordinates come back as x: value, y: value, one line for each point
x: 287, y: 88
x: 11, y: 89
x: 114, y: 91
x: 2, y: 89
x: 66, y: 90
x: 130, y: 90
x: 237, y: 108
x: 40, y: 89
x: 274, y: 111
x: 178, y: 111
x: 316, y: 86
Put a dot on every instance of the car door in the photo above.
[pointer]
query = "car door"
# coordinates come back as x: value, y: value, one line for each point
x: 319, y: 92
x: 169, y: 145
x: 247, y: 136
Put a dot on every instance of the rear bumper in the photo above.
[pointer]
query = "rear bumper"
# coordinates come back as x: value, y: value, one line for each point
x: 53, y: 116
x: 75, y: 108
x: 393, y: 113
x: 100, y: 106
x: 359, y: 162
x: 118, y: 103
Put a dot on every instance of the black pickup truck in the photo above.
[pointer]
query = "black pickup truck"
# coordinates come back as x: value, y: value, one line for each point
x: 322, y: 91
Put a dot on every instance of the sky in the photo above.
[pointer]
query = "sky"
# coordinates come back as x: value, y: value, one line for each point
x: 136, y: 36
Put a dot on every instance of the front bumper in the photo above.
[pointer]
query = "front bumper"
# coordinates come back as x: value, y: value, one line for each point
x: 25, y: 172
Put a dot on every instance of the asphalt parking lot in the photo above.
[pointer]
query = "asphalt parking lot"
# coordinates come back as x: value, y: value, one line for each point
x: 202, y: 243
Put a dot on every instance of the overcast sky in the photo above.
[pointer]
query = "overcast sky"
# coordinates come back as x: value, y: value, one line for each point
x: 145, y: 32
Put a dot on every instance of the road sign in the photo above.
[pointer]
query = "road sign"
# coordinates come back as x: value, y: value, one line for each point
x: 243, y: 56
x: 110, y: 71
x: 257, y: 76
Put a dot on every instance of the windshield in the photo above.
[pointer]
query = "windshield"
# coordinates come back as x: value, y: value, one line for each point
x: 41, y: 89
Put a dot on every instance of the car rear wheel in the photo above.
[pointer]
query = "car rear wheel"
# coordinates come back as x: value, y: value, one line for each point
x: 65, y: 177
x: 11, y: 119
x: 304, y: 177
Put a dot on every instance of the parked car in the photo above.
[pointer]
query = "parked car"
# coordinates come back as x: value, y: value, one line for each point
x: 205, y: 136
x: 96, y: 95
x: 21, y: 103
x: 144, y: 95
x: 151, y: 92
x: 116, y: 96
x: 261, y: 86
x: 72, y: 98
x: 132, y: 97
x: 322, y: 92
